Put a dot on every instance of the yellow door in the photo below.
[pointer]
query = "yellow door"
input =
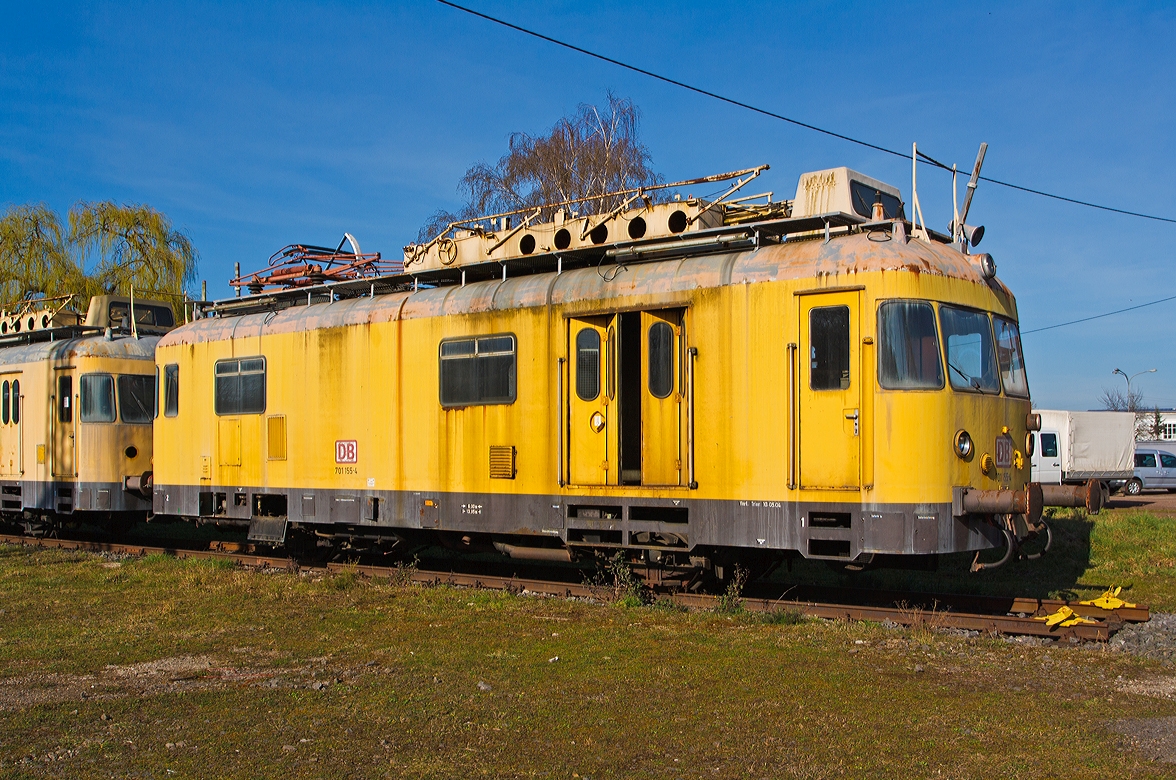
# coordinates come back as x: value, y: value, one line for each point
x: 10, y: 430
x: 64, y: 402
x: 830, y: 391
x: 592, y: 436
x: 661, y: 398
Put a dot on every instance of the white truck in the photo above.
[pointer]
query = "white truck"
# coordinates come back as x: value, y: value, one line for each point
x: 1074, y: 447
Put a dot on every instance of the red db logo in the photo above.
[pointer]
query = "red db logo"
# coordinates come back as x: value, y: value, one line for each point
x: 346, y: 451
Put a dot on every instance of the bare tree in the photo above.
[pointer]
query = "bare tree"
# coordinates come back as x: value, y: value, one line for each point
x: 1112, y: 399
x: 587, y: 155
x: 107, y: 249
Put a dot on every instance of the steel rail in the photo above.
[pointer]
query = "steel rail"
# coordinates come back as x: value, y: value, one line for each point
x: 1107, y: 622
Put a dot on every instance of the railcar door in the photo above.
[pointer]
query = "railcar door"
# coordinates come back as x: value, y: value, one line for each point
x: 592, y: 425
x: 830, y: 421
x: 662, y: 392
x: 64, y: 427
x: 10, y: 426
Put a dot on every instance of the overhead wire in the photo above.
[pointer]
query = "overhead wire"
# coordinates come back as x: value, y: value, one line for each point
x: 790, y: 120
x: 1099, y: 316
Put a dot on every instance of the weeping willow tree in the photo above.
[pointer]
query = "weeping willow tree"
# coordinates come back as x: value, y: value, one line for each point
x: 104, y: 248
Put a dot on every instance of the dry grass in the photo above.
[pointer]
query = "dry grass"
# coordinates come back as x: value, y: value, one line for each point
x: 163, y: 668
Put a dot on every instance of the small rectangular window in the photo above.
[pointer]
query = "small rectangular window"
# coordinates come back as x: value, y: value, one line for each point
x: 97, y: 398
x: 65, y: 399
x: 145, y: 314
x: 908, y: 347
x: 478, y: 371
x: 829, y: 348
x: 1145, y: 460
x: 240, y: 386
x: 136, y: 397
x: 1167, y: 461
x: 1049, y: 445
x: 171, y: 390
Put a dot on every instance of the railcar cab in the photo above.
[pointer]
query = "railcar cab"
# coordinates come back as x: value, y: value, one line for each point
x: 76, y: 411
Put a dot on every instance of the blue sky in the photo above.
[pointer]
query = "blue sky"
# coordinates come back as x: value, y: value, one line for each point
x: 258, y: 125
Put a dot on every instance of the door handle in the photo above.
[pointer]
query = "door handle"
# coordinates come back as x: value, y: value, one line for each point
x: 852, y: 414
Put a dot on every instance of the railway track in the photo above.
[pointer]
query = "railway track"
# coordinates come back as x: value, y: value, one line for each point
x: 1014, y: 616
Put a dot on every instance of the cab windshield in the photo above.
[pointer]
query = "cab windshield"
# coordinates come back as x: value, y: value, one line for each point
x: 1008, y: 354
x: 971, y: 361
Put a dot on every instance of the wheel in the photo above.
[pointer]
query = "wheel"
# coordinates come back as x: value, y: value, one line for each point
x: 1133, y: 487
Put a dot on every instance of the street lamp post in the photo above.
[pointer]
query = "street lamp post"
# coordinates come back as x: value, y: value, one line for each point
x: 1130, y: 402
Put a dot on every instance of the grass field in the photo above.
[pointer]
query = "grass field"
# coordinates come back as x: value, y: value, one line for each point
x: 162, y: 668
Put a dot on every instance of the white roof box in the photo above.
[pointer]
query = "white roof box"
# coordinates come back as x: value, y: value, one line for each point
x: 842, y: 190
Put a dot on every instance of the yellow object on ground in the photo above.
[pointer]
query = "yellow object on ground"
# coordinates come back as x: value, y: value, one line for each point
x: 1065, y: 618
x: 1108, y: 600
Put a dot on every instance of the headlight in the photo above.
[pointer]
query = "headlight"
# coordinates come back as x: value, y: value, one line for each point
x: 963, y: 444
x: 1030, y: 441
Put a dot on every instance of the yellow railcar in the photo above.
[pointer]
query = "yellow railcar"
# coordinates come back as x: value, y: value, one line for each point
x: 76, y: 407
x: 799, y: 378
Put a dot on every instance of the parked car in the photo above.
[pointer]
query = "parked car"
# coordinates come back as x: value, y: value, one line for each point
x: 1155, y: 469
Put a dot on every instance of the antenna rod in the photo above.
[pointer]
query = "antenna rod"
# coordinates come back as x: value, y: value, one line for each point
x: 972, y: 183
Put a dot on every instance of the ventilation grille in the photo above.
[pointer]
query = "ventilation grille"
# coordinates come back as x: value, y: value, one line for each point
x: 502, y: 462
x: 277, y: 436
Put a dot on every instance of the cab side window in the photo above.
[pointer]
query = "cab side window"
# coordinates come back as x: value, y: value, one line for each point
x: 1145, y: 460
x: 1049, y: 445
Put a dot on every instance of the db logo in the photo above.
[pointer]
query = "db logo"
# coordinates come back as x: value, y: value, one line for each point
x: 346, y: 451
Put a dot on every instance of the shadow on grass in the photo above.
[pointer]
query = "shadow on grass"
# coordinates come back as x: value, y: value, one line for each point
x: 1054, y: 575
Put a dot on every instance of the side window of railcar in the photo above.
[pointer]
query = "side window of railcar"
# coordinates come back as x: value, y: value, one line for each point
x: 65, y: 399
x: 5, y: 395
x: 587, y: 364
x: 908, y: 346
x: 97, y: 398
x: 136, y: 397
x: 829, y: 348
x: 171, y: 390
x: 1008, y: 355
x: 15, y: 401
x: 971, y: 362
x: 240, y: 386
x: 1049, y: 445
x: 477, y: 372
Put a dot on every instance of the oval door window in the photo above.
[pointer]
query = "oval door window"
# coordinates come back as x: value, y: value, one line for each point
x: 5, y: 393
x: 661, y: 359
x: 587, y: 364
